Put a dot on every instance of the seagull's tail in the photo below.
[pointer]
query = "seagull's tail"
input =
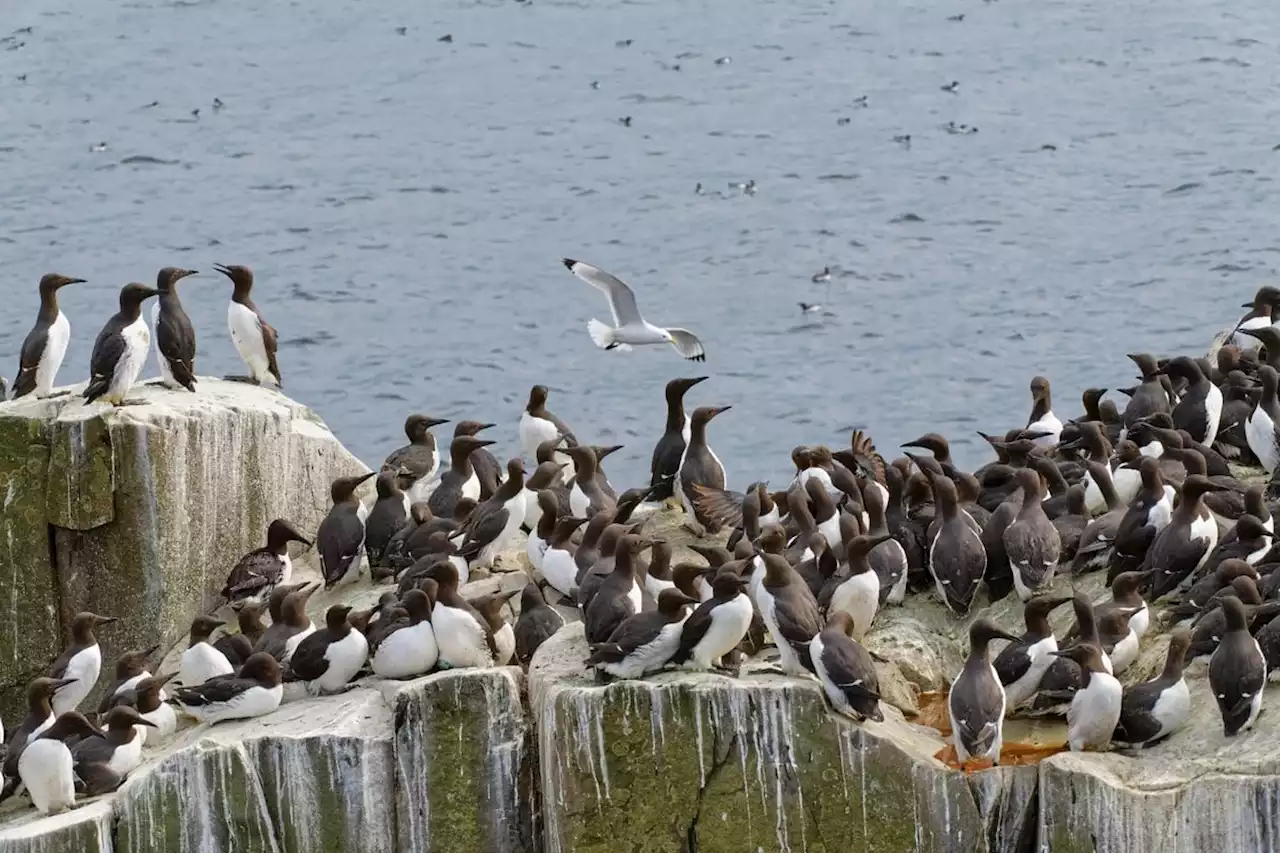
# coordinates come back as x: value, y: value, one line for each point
x: 601, y: 334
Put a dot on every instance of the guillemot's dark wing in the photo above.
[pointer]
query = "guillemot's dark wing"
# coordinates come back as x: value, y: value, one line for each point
x: 176, y: 340
x: 339, y: 540
x: 220, y: 688
x: 108, y: 349
x: 32, y: 348
x: 271, y: 342
x: 484, y: 529
x: 308, y: 661
x: 411, y: 462
x: 695, y: 628
x: 256, y: 572
x: 720, y: 505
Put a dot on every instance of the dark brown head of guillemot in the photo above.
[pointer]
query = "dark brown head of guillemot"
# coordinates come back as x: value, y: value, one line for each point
x: 675, y: 391
x: 50, y: 284
x: 468, y: 428
x: 167, y: 279
x: 343, y: 489
x: 242, y: 282
x: 935, y: 444
x: 1041, y: 399
x: 417, y: 428
x: 280, y: 533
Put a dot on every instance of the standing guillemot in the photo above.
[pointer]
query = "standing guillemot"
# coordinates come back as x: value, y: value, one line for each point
x: 611, y: 590
x: 941, y: 450
x: 238, y: 647
x: 1237, y: 672
x: 540, y: 536
x: 602, y: 479
x: 149, y: 698
x: 82, y: 662
x: 496, y: 521
x: 120, y: 749
x: 121, y: 349
x: 328, y: 659
x: 46, y: 767
x: 538, y: 424
x: 1181, y: 548
x: 957, y: 559
x: 416, y: 463
x: 257, y: 573
x: 544, y: 477
x: 537, y: 623
x: 253, y: 691
x: 1126, y: 595
x: 1095, y: 708
x: 717, y: 626
x: 175, y: 336
x: 200, y: 660
x: 488, y: 469
x: 1118, y: 639
x: 1099, y: 536
x: 1262, y: 429
x: 408, y: 647
x: 644, y: 642
x: 490, y: 607
x: 463, y: 635
x: 131, y: 667
x: 40, y: 717
x: 888, y: 559
x: 1031, y: 541
x: 1206, y: 593
x: 1150, y: 397
x: 340, y: 537
x: 859, y: 593
x: 460, y: 481
x: 1260, y: 315
x: 559, y: 566
x: 293, y: 626
x: 253, y: 336
x: 1200, y: 410
x: 670, y: 448
x: 1208, y: 628
x: 586, y: 497
x: 629, y: 327
x: 998, y: 574
x: 1153, y: 710
x: 846, y: 671
x: 699, y: 466
x: 396, y: 556
x: 789, y: 612
x: 388, y: 515
x: 1021, y: 664
x: 976, y: 701
x: 46, y: 344
x: 657, y: 575
x: 1148, y: 514
x: 1043, y: 426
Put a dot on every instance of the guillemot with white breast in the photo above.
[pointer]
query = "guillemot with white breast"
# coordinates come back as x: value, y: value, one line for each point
x: 121, y: 349
x: 45, y: 346
x: 669, y: 450
x: 175, y: 335
x: 254, y: 338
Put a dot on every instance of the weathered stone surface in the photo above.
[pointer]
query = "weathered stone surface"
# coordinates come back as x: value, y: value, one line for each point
x: 140, y: 512
x: 465, y: 765
x: 87, y: 828
x: 685, y: 761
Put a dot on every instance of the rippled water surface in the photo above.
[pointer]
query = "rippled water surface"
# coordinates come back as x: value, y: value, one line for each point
x: 405, y: 201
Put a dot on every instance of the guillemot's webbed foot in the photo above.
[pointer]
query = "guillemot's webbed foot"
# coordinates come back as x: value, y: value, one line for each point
x: 248, y: 380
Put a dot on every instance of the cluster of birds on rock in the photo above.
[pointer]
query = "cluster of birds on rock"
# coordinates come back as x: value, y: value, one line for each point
x: 1145, y: 494
x: 120, y: 351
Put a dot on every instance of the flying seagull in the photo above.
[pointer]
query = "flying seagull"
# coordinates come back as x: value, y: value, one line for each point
x: 629, y: 327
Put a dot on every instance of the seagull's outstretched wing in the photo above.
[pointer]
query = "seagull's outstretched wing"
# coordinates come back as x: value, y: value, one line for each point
x: 687, y: 344
x: 622, y: 300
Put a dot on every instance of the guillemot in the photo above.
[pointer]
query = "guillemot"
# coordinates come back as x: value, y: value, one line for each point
x: 328, y: 659
x: 200, y: 660
x: 340, y: 537
x: 544, y: 478
x: 121, y: 349
x: 39, y: 717
x: 82, y: 661
x: 846, y: 671
x: 1021, y: 664
x: 1043, y: 426
x: 388, y: 514
x: 618, y: 593
x: 1095, y: 708
x: 1200, y: 410
x: 586, y: 496
x: 1260, y: 315
x: 45, y: 346
x: 460, y: 481
x: 253, y: 691
x: 119, y: 750
x: 46, y: 767
x: 1237, y: 671
x: 1181, y: 548
x: 976, y: 701
x: 1262, y: 429
x: 790, y: 612
x: 1098, y: 538
x: 495, y: 522
x: 670, y: 448
x: 488, y: 469
x: 538, y: 424
x: 699, y: 466
x: 293, y: 626
x: 131, y: 667
x: 415, y: 465
x: 1031, y: 541
x: 957, y: 558
x: 644, y: 642
x: 858, y: 595
x: 239, y: 646
x: 491, y: 609
x: 257, y: 573
x: 1153, y: 710
x: 463, y: 635
x: 1150, y: 397
x: 537, y: 623
x: 175, y: 336
x: 407, y: 648
x: 254, y: 338
x: 717, y: 625
x: 629, y: 328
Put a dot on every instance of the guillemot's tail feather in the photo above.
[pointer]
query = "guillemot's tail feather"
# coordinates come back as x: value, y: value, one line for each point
x: 719, y: 505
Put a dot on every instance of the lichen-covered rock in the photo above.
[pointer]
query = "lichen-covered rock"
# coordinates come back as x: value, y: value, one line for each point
x: 140, y: 512
x: 465, y: 767
x: 686, y: 761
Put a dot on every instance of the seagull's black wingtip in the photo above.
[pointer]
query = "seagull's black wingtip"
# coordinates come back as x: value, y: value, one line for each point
x: 568, y: 263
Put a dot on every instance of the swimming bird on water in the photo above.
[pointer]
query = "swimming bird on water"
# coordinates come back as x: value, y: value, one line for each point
x: 121, y: 349
x: 254, y: 337
x: 629, y: 327
x: 46, y: 344
x: 820, y: 277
